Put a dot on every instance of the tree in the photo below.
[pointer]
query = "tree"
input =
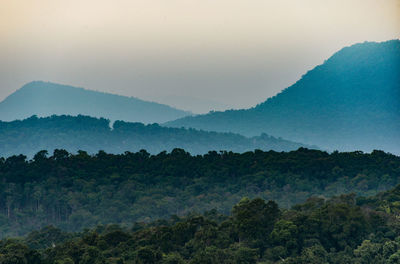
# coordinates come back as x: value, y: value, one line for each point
x: 254, y: 219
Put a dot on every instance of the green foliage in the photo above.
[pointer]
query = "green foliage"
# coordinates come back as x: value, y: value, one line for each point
x: 173, y: 258
x: 77, y: 191
x: 254, y: 218
x: 255, y: 232
x: 314, y: 255
x: 285, y: 234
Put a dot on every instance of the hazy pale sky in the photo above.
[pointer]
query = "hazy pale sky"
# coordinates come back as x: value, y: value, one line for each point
x: 196, y: 55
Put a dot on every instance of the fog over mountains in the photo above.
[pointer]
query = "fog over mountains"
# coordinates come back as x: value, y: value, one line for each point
x: 350, y: 102
x: 46, y: 99
x: 93, y: 134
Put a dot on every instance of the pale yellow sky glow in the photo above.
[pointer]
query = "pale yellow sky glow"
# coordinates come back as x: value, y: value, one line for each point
x: 194, y: 54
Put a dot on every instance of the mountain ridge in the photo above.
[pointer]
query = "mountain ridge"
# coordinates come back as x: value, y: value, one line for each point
x: 351, y: 101
x: 46, y: 99
x: 94, y: 134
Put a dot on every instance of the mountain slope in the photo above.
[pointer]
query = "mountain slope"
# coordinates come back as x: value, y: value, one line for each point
x: 46, y: 99
x: 91, y: 134
x: 351, y: 101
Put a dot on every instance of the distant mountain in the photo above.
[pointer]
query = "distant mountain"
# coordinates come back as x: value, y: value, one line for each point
x: 91, y: 134
x: 46, y: 99
x: 350, y: 102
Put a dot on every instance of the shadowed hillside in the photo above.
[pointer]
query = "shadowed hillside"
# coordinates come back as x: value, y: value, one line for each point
x: 351, y: 101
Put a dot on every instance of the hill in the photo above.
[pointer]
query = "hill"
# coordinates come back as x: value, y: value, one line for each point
x: 351, y: 101
x: 91, y: 134
x: 77, y: 191
x: 46, y: 99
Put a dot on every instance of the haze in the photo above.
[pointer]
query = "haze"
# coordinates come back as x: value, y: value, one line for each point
x: 197, y: 55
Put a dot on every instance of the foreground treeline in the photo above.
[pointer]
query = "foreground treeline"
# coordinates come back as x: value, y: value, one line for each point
x: 73, y: 133
x: 340, y: 230
x: 73, y: 192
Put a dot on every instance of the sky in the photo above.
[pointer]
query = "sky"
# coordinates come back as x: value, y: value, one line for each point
x: 196, y: 55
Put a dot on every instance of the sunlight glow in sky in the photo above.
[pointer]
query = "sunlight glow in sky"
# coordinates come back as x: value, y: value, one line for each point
x: 196, y: 55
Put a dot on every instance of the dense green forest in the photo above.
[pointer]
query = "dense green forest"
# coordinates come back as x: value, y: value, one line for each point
x: 46, y: 99
x: 73, y: 133
x: 341, y: 230
x: 76, y: 191
x: 350, y: 102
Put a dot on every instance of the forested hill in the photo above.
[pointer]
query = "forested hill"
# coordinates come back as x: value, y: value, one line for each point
x: 92, y: 134
x: 351, y: 101
x: 343, y: 229
x: 78, y: 191
x: 46, y: 99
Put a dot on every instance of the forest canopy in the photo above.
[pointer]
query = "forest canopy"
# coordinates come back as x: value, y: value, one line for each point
x: 77, y: 191
x: 343, y: 229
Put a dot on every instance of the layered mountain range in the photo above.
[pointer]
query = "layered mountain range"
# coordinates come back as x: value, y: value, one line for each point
x: 350, y: 102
